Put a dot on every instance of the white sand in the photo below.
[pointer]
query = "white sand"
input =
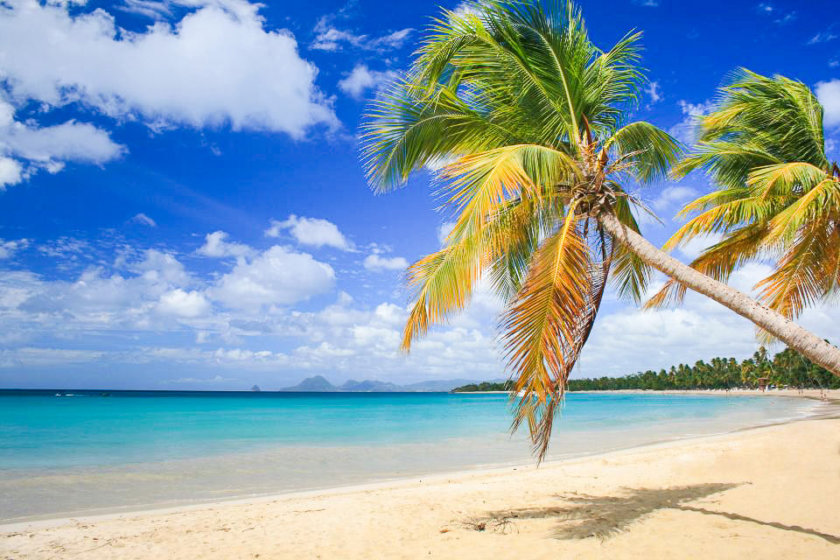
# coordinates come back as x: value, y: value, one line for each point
x: 766, y: 493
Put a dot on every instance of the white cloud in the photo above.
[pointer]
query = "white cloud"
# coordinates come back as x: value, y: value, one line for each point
x: 377, y: 262
x: 215, y: 245
x: 96, y: 301
x: 11, y: 172
x: 685, y: 130
x: 9, y: 248
x: 202, y: 380
x: 697, y: 245
x: 143, y: 220
x: 444, y: 230
x: 828, y: 93
x: 314, y: 232
x: 35, y: 357
x: 362, y: 79
x: 654, y: 92
x: 218, y: 65
x: 330, y: 38
x: 183, y: 304
x: 436, y: 165
x: 159, y: 267
x: 153, y: 9
x: 278, y: 276
x: 672, y: 195
x: 25, y: 147
x: 768, y: 9
x: 153, y: 311
x: 647, y: 3
x: 70, y: 141
x: 822, y: 37
x: 467, y: 8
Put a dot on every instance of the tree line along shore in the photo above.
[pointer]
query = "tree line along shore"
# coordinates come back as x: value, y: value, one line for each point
x: 787, y: 368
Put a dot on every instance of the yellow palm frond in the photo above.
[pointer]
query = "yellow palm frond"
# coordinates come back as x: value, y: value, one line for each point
x: 819, y: 204
x: 803, y: 275
x: 725, y: 217
x: 547, y: 323
x: 478, y: 185
x: 445, y: 280
x: 785, y: 179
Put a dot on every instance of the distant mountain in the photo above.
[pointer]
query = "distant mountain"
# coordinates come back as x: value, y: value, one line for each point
x: 319, y: 384
x: 369, y: 386
x: 315, y: 384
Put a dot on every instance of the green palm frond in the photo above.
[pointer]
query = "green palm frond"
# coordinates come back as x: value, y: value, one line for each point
x: 526, y: 115
x: 648, y: 151
x: 777, y: 194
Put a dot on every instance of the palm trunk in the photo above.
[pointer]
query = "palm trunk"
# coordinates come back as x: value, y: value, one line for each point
x: 805, y: 342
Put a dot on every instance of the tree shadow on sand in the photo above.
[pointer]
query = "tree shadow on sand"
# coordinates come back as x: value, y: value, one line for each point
x: 604, y: 516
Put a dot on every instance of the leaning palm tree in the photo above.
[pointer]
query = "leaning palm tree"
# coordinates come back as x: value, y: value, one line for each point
x: 527, y: 120
x: 777, y: 195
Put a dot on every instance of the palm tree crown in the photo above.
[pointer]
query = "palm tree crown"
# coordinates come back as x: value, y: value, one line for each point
x: 777, y: 196
x: 528, y: 119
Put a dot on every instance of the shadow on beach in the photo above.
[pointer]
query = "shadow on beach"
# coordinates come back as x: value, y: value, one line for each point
x: 602, y: 517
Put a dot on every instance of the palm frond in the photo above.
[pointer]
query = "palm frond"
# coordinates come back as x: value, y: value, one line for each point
x: 547, y: 323
x: 649, y: 151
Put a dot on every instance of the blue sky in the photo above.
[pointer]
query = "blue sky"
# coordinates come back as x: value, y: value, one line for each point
x: 182, y: 205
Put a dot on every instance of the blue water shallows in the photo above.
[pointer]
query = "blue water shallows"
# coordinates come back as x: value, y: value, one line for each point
x: 83, y: 451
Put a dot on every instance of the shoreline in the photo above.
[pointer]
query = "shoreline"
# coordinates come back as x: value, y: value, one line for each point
x: 695, y: 495
x: 109, y: 513
x: 827, y: 395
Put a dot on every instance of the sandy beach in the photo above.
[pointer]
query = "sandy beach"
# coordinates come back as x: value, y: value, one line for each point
x: 767, y: 493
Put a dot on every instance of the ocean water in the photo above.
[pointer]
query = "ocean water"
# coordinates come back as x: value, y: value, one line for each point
x: 84, y: 452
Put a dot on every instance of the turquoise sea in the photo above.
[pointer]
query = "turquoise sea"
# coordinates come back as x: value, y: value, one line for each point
x: 84, y: 452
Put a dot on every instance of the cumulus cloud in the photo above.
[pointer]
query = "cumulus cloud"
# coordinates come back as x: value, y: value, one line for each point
x: 183, y: 304
x: 672, y: 195
x: 685, y: 130
x: 377, y: 263
x: 26, y: 148
x: 278, y: 276
x: 696, y: 246
x: 160, y: 267
x: 314, y: 232
x: 828, y: 94
x: 217, y: 65
x: 95, y: 301
x: 362, y: 79
x: 244, y: 318
x: 11, y: 172
x: 217, y: 246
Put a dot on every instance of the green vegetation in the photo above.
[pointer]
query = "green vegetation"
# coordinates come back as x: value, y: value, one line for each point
x: 785, y: 369
x: 484, y: 387
x: 777, y: 193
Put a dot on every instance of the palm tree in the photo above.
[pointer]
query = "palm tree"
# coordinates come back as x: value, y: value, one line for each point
x: 528, y: 119
x: 778, y: 195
